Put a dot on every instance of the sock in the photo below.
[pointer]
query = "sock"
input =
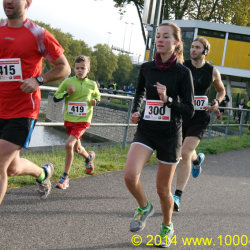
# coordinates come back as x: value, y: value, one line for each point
x: 88, y: 159
x: 65, y: 174
x: 42, y: 176
x: 146, y: 208
x: 197, y: 161
x: 178, y: 192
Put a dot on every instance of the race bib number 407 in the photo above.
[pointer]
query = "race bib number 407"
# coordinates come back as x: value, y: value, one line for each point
x: 10, y: 70
x: 78, y: 108
x: 155, y: 110
x: 200, y: 102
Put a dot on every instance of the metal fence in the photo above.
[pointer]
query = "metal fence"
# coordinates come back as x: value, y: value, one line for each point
x: 244, y: 120
x: 232, y: 113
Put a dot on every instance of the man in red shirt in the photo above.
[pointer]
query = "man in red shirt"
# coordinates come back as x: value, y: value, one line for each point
x: 23, y: 45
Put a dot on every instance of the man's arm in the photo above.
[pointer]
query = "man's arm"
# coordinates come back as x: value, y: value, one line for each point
x: 60, y: 70
x: 220, y: 89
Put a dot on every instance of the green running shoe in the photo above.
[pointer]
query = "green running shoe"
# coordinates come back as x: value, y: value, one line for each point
x: 166, y: 235
x: 140, y: 217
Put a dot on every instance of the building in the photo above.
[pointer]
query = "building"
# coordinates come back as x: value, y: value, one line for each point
x: 230, y: 50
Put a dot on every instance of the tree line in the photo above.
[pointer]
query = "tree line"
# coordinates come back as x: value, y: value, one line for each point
x: 106, y: 66
x: 220, y: 11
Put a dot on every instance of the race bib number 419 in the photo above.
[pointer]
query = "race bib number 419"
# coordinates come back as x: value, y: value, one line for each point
x: 10, y: 70
x: 78, y: 108
x: 155, y: 110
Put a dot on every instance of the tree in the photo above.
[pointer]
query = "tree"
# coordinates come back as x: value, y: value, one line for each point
x: 123, y: 72
x: 72, y: 48
x: 139, y: 8
x: 106, y: 62
x: 241, y: 14
x: 221, y: 11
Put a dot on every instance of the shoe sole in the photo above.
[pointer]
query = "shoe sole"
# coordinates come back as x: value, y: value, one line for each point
x: 58, y: 187
x: 176, y: 208
x: 44, y: 195
x: 167, y: 245
x: 89, y: 173
x: 140, y: 229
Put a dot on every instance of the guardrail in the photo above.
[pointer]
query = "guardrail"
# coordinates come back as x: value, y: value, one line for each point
x: 244, y: 120
x: 121, y: 97
x: 244, y: 113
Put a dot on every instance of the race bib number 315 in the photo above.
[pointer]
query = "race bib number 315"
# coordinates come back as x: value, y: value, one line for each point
x: 10, y: 70
x: 78, y: 108
x: 155, y: 110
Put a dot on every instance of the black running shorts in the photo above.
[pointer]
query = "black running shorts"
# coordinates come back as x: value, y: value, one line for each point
x: 168, y: 148
x: 17, y: 130
x: 197, y: 125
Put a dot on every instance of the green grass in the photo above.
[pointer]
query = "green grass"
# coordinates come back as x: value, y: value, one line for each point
x: 219, y: 145
x: 113, y: 158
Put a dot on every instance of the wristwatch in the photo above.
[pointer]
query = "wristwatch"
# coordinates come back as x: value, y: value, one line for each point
x: 169, y: 101
x: 39, y: 79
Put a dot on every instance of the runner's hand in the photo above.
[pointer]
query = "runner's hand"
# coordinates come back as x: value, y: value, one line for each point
x: 94, y: 102
x: 29, y: 85
x: 162, y: 91
x: 214, y: 105
x: 71, y: 89
x: 135, y: 117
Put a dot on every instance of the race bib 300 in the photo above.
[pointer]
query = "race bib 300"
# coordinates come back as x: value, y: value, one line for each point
x: 155, y: 110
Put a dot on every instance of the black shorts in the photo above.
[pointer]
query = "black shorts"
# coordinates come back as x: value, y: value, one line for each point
x: 17, y: 130
x: 168, y: 148
x: 197, y: 125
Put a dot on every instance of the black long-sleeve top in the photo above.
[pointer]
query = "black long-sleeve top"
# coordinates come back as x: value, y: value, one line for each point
x: 179, y: 83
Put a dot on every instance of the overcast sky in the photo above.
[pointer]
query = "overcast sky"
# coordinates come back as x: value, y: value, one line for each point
x: 91, y: 21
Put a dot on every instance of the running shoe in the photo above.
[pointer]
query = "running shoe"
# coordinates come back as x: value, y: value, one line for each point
x: 177, y: 202
x: 140, y: 217
x: 63, y: 183
x: 44, y: 187
x: 166, y: 235
x: 90, y: 164
x: 196, y: 169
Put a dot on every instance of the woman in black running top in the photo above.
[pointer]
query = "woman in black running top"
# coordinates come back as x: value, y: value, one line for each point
x: 169, y: 96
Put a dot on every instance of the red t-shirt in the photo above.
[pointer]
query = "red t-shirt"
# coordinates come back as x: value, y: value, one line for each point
x: 30, y: 43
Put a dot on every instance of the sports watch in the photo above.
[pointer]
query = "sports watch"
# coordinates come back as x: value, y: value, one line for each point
x: 39, y: 80
x: 169, y: 101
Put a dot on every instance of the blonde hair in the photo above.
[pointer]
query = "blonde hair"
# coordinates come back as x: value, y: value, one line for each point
x: 82, y: 58
x: 177, y: 35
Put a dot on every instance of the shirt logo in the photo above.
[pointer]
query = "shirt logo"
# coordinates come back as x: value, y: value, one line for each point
x: 9, y: 38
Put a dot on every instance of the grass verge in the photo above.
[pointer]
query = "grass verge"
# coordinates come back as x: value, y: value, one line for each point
x: 113, y: 158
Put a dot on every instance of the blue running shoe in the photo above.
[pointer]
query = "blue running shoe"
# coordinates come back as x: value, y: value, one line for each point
x: 196, y: 169
x: 177, y: 202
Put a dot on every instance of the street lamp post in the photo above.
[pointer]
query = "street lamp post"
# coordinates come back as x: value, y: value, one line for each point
x: 132, y: 24
x: 109, y: 35
x: 124, y: 35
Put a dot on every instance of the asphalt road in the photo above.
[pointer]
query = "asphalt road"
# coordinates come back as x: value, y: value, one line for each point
x: 95, y: 212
